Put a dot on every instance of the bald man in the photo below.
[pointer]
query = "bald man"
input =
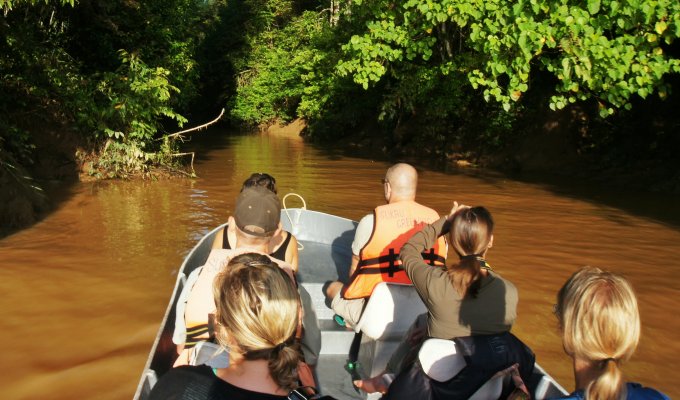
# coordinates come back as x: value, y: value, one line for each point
x: 377, y: 242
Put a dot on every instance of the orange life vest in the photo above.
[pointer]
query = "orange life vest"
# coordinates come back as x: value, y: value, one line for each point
x: 393, y: 226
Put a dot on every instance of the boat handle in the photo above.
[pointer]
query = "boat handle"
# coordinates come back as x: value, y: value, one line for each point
x: 297, y: 220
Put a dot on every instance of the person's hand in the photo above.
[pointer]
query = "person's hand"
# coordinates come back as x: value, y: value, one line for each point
x: 456, y: 208
x: 417, y: 335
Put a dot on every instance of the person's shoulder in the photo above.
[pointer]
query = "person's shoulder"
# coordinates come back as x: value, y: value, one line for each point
x: 281, y: 263
x: 426, y: 207
x: 292, y: 237
x: 366, y: 223
x: 367, y: 219
x: 174, y: 383
x: 218, y: 258
x: 508, y: 284
x: 639, y: 392
x: 500, y: 279
x: 202, y: 370
x: 497, y: 281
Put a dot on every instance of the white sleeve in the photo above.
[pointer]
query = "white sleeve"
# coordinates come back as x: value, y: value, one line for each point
x: 362, y: 234
x: 179, y: 336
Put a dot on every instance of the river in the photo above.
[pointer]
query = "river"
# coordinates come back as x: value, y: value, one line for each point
x: 84, y: 290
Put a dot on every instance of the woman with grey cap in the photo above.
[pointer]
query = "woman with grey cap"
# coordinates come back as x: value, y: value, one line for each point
x: 282, y: 245
x: 256, y: 219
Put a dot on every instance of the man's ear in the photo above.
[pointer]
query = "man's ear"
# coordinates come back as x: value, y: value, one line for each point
x: 278, y: 230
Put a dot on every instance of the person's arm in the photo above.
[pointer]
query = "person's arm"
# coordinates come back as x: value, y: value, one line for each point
x: 353, y: 265
x: 411, y: 253
x: 292, y: 253
x: 217, y: 242
x: 179, y: 334
x: 361, y: 236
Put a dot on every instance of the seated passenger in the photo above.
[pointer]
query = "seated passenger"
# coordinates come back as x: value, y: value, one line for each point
x: 282, y: 245
x: 256, y: 218
x: 377, y: 241
x: 466, y: 299
x: 600, y: 324
x: 256, y: 323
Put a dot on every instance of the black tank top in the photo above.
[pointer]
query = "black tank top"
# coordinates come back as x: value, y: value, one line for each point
x: 279, y: 254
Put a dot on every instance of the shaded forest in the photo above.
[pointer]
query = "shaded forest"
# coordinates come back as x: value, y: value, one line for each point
x: 95, y: 88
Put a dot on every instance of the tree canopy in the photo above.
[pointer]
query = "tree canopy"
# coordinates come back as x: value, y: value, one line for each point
x: 124, y: 73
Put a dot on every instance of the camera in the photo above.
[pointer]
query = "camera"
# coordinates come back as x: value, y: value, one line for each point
x: 299, y: 394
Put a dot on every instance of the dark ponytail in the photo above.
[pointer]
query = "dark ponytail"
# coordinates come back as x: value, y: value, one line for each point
x: 283, y: 363
x: 470, y: 236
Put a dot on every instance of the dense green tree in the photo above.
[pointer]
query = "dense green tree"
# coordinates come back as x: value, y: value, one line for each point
x: 604, y: 49
x: 122, y: 73
x: 118, y: 72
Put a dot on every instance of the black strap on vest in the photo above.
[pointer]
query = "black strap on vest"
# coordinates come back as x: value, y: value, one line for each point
x: 194, y: 335
x: 195, y: 332
x: 429, y: 256
x: 225, y: 239
x: 392, y: 267
x: 279, y: 254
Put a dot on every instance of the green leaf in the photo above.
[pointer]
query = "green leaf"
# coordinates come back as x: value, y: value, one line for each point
x: 660, y: 27
x: 593, y: 6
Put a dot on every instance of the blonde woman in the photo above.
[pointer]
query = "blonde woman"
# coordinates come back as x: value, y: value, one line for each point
x: 281, y: 245
x: 257, y: 318
x: 600, y: 324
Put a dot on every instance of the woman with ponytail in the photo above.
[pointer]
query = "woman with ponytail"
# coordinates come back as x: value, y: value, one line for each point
x: 466, y: 299
x: 600, y: 324
x: 257, y: 318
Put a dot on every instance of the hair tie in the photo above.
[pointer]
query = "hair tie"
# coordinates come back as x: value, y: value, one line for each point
x: 607, y: 360
x: 279, y: 347
x: 470, y: 257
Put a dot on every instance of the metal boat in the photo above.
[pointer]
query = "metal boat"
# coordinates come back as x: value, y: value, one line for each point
x: 324, y: 254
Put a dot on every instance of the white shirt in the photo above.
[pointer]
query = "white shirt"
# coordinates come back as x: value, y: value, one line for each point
x: 362, y: 234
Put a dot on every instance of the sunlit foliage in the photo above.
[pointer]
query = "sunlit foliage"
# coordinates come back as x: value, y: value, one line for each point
x: 117, y: 72
x: 604, y: 49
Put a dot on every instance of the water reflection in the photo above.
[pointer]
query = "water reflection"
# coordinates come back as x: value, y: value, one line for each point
x: 85, y: 289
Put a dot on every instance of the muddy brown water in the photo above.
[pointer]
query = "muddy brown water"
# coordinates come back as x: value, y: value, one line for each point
x: 84, y: 290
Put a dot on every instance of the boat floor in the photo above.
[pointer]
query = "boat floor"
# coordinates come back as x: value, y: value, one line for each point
x: 335, y: 380
x: 318, y: 268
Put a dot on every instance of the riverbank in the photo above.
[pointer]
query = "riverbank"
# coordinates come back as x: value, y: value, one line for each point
x: 634, y: 150
x: 551, y: 146
x: 59, y: 158
x: 27, y: 183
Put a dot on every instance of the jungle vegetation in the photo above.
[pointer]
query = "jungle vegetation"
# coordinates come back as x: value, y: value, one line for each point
x: 120, y: 75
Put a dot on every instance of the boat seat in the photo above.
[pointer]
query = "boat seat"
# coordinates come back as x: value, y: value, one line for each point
x: 380, y: 321
x: 441, y: 361
x: 389, y: 312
